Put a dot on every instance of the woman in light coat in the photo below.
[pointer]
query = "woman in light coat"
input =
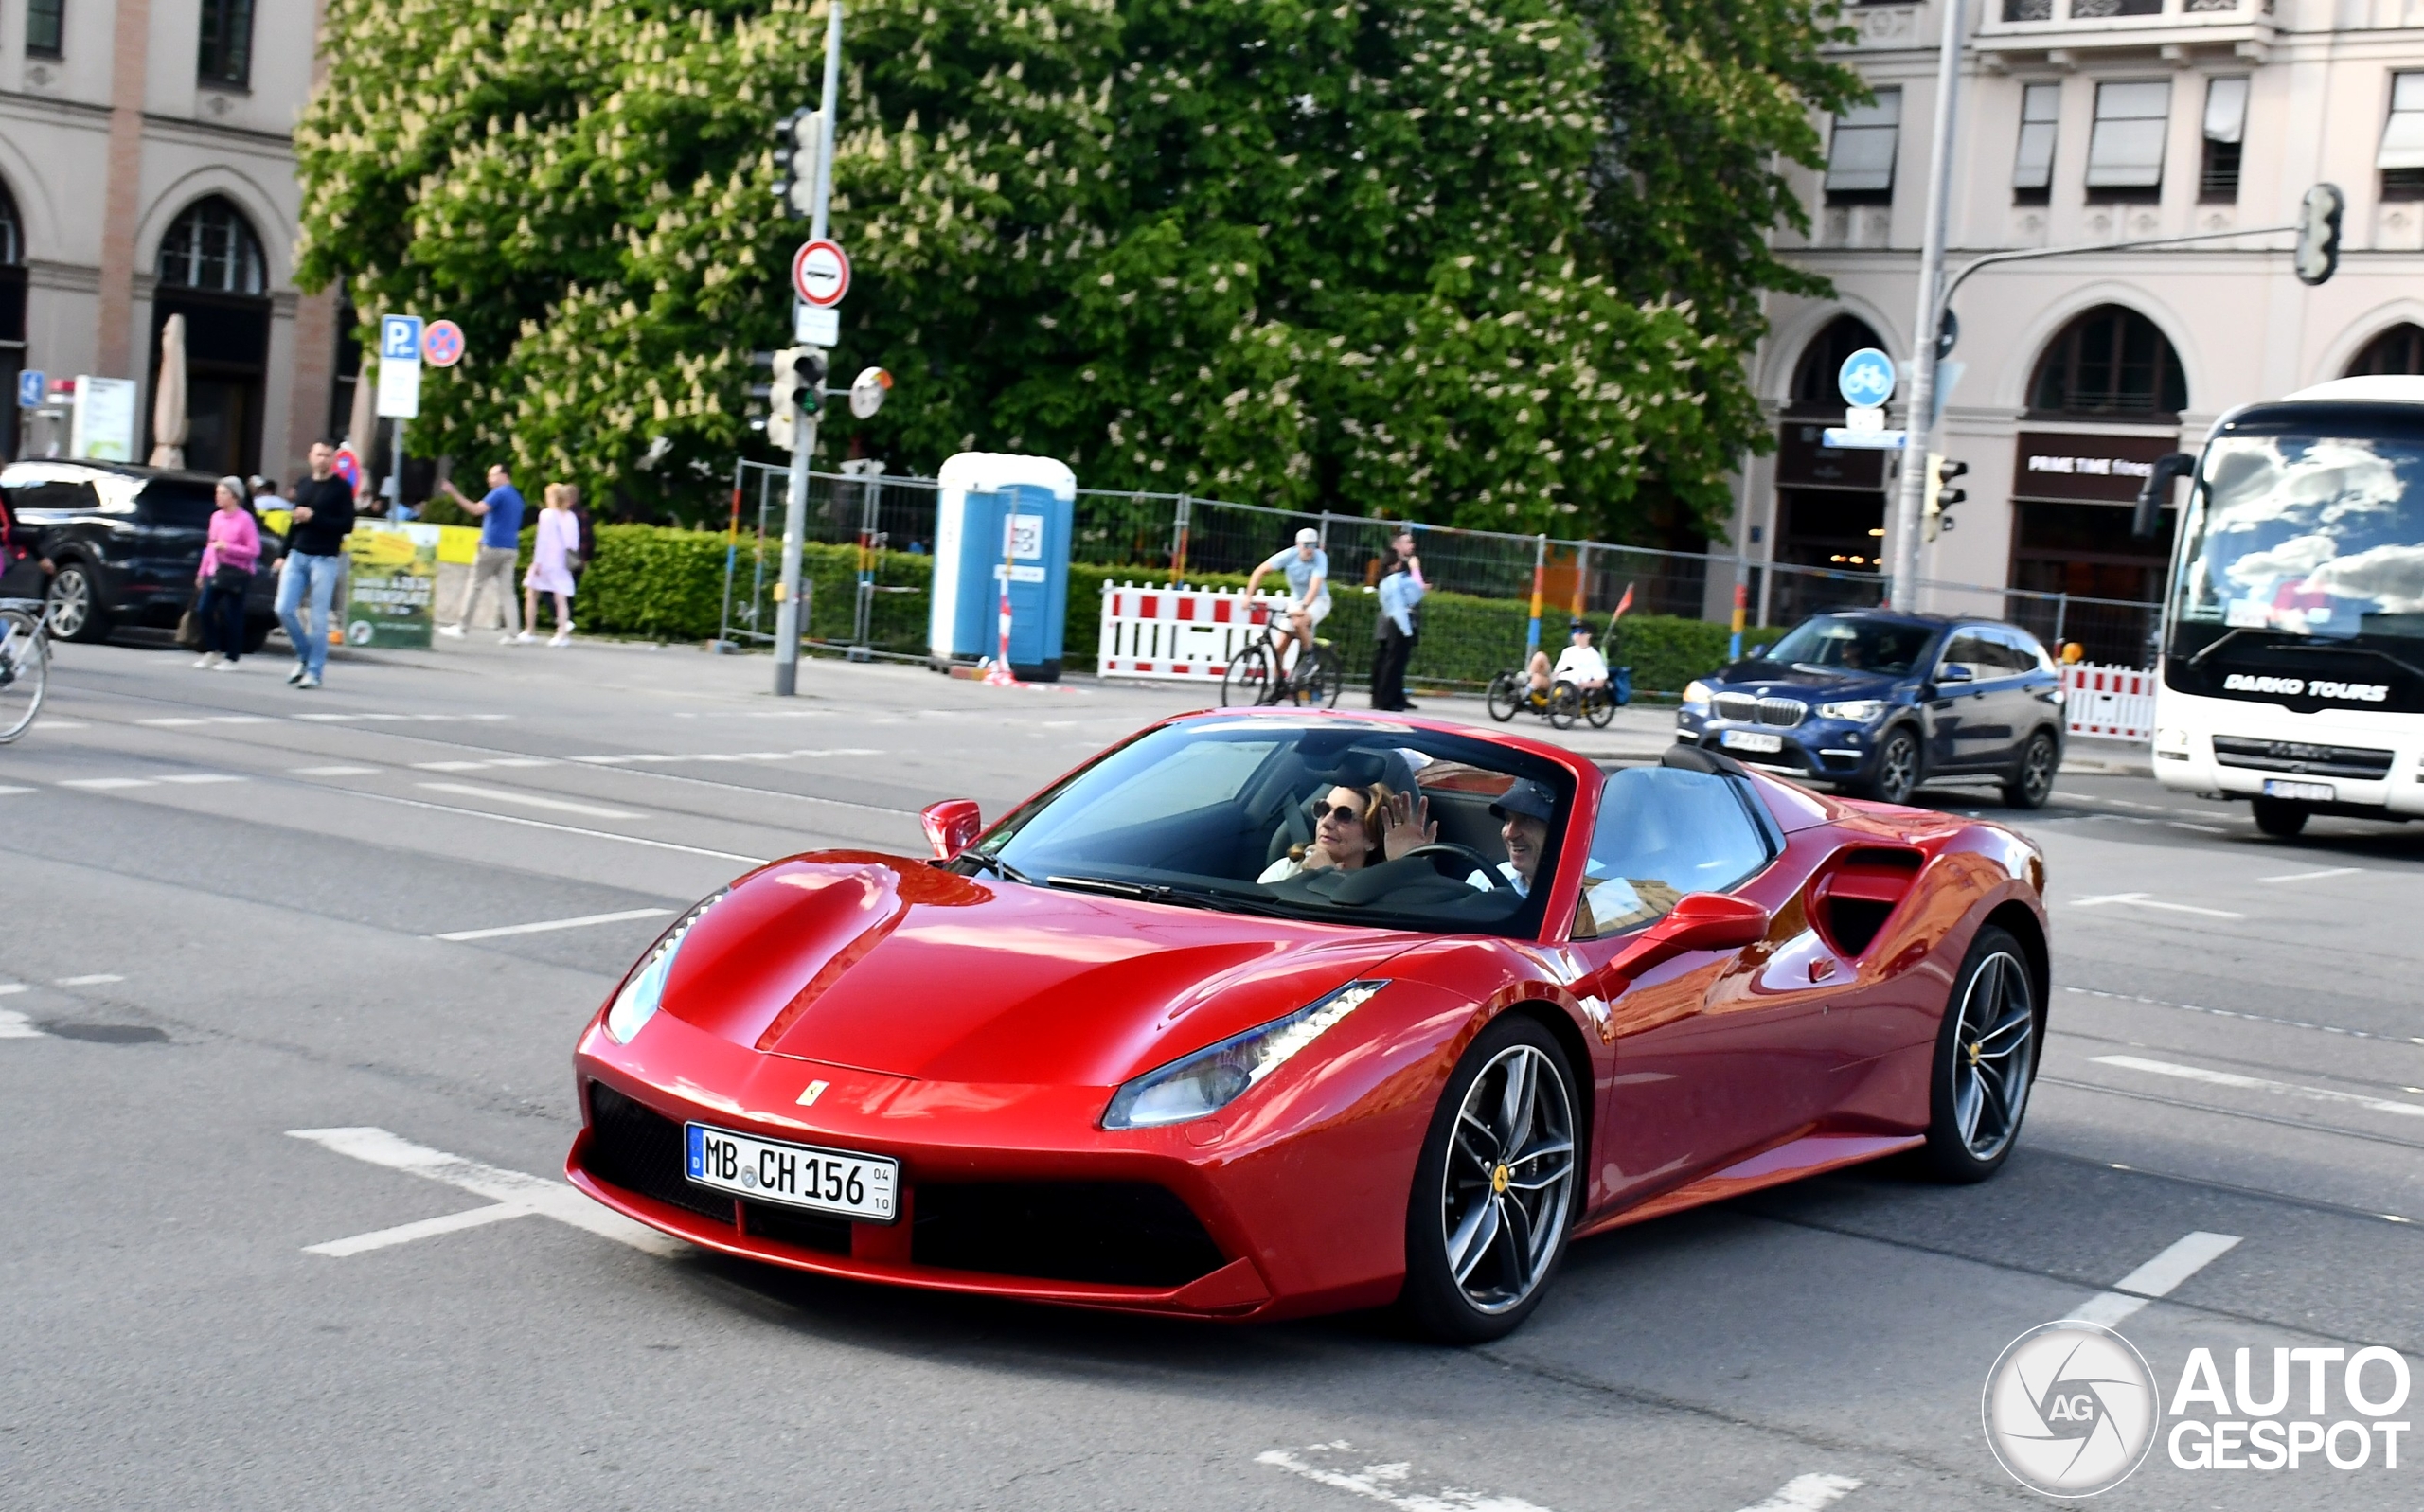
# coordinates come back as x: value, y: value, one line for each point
x: 551, y: 557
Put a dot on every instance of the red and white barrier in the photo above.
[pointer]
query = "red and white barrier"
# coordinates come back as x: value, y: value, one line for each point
x: 1186, y: 634
x: 2118, y: 702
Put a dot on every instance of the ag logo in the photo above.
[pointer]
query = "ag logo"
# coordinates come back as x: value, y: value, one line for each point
x: 2071, y: 1409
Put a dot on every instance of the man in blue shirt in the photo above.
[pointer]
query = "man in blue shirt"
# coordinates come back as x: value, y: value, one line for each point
x: 1305, y: 566
x: 1401, y: 589
x: 500, y: 516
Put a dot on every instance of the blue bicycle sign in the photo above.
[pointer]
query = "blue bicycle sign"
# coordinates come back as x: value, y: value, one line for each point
x: 1866, y: 378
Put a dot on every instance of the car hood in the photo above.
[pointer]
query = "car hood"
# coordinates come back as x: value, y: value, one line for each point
x: 1804, y: 682
x: 893, y: 966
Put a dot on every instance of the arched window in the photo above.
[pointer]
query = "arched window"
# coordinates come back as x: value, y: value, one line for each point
x: 2110, y: 360
x: 211, y: 247
x: 1813, y: 380
x: 12, y: 236
x: 2397, y: 352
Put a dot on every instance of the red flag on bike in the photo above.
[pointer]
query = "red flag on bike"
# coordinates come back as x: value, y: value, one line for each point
x: 1623, y: 604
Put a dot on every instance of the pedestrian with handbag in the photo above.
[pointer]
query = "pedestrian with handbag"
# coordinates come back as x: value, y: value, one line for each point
x: 232, y: 550
x: 556, y: 543
x: 1394, y: 634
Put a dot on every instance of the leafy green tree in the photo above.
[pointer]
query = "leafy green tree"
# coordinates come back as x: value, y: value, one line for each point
x: 1434, y: 258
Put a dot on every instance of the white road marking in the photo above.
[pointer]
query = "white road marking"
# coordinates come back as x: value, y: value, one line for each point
x: 2205, y: 829
x: 474, y: 766
x: 530, y: 800
x: 426, y: 1228
x: 2279, y: 1089
x: 203, y: 777
x: 2143, y: 900
x: 9, y: 988
x: 2251, y: 1018
x: 2313, y: 875
x: 549, y: 1199
x: 104, y: 784
x: 62, y: 725
x: 2158, y: 1277
x: 4, y: 792
x: 343, y: 719
x: 95, y: 980
x: 1806, y: 1493
x: 545, y: 925
x: 1386, y: 1484
x: 337, y: 772
x: 214, y: 719
x: 651, y: 758
x: 15, y: 1025
x: 541, y: 823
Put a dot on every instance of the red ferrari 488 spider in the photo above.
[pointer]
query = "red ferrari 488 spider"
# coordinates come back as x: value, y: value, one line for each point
x: 1263, y: 1014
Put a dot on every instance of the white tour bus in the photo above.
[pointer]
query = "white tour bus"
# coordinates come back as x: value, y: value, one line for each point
x: 2292, y: 666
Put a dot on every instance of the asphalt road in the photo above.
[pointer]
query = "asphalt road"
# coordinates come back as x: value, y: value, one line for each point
x: 229, y: 915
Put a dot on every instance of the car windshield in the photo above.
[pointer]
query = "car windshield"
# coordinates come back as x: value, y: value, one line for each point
x: 1851, y: 643
x: 1340, y: 822
x: 2319, y: 537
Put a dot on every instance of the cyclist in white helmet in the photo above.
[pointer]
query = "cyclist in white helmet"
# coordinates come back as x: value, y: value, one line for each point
x: 1306, y: 568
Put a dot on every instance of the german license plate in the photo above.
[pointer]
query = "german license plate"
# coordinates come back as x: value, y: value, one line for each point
x: 865, y: 1187
x: 2302, y: 791
x: 1751, y: 741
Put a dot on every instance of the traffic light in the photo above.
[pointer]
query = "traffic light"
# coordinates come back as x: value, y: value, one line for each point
x: 795, y: 139
x: 2318, y: 253
x: 1941, y: 496
x: 798, y: 390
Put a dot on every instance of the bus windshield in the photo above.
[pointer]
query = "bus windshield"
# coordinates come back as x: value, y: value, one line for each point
x: 2314, y: 537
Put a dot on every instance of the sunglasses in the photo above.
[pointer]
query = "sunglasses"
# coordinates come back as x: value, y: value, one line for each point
x: 1345, y: 813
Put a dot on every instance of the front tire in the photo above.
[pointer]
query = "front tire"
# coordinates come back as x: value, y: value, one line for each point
x: 1494, y: 1190
x: 75, y: 597
x: 2278, y: 818
x: 1565, y: 701
x: 1897, y: 767
x: 2032, y: 780
x: 1986, y: 1061
x: 1600, y: 707
x: 1247, y: 682
x: 1505, y: 696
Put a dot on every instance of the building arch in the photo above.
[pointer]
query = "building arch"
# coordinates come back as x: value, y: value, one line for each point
x: 12, y: 316
x: 211, y: 273
x: 2015, y: 381
x: 1813, y: 388
x: 1790, y: 347
x: 2109, y: 363
x: 269, y: 226
x: 2339, y: 358
x: 2398, y: 349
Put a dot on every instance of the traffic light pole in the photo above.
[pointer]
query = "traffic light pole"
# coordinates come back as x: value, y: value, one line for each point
x: 787, y: 625
x: 1920, y: 425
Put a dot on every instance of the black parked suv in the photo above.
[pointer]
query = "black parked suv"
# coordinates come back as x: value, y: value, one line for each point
x: 1878, y: 702
x: 124, y: 545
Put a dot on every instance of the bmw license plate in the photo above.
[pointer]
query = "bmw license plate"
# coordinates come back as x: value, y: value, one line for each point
x: 1751, y: 741
x: 864, y: 1187
x: 2302, y: 791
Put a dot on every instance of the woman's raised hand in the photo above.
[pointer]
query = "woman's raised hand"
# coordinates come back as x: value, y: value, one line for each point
x: 1405, y: 824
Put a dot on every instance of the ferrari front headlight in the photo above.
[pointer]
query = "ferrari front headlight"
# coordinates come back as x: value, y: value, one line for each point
x: 1696, y: 697
x: 1218, y: 1074
x: 636, y: 1004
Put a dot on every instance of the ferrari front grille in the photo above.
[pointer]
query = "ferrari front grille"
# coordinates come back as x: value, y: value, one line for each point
x: 1744, y: 710
x: 791, y: 1225
x: 639, y: 1149
x: 1123, y: 1233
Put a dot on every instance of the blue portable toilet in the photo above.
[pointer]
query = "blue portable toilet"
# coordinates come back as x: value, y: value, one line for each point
x: 994, y: 509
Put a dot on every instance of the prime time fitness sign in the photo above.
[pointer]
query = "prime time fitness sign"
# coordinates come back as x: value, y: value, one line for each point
x: 2091, y: 469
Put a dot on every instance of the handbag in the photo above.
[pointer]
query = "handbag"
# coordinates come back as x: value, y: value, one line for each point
x: 189, y: 627
x: 230, y: 579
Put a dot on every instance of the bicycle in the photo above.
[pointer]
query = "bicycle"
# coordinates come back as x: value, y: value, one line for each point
x: 1511, y: 693
x: 1253, y: 677
x: 24, y: 664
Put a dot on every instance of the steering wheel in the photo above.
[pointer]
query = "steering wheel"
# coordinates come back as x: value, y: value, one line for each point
x: 1474, y: 858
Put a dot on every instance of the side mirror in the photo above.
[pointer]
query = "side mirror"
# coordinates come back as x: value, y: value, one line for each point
x: 1954, y: 672
x: 1699, y: 921
x: 951, y: 825
x: 1758, y: 650
x: 2156, y: 492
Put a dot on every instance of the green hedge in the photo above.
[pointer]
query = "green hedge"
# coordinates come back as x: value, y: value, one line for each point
x: 649, y: 580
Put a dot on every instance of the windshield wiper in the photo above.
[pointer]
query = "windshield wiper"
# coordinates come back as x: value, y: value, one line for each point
x: 997, y: 867
x: 1176, y: 897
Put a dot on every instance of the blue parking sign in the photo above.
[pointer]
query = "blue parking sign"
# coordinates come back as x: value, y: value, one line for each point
x: 29, y: 388
x: 1866, y: 378
x: 400, y: 338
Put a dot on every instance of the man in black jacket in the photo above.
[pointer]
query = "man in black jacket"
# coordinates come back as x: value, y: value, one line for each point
x: 315, y: 558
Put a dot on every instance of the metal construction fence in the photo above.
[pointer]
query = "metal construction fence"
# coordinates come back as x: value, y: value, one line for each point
x: 1179, y: 538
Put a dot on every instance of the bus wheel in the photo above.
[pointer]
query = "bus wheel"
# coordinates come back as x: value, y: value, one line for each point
x: 2280, y: 820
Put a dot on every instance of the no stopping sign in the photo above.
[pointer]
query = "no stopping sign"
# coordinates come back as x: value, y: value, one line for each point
x: 820, y: 273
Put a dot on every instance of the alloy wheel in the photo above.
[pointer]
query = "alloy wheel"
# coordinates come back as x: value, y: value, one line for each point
x: 1509, y: 1185
x: 2036, y: 782
x: 1897, y: 767
x: 71, y: 602
x: 1993, y: 1053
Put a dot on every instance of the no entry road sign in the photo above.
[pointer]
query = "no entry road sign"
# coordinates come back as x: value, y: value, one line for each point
x: 820, y: 273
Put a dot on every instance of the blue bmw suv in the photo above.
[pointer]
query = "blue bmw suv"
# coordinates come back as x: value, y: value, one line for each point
x: 1876, y: 704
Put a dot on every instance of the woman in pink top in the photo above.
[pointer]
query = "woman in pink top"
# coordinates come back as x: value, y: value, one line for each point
x: 558, y: 542
x: 227, y: 561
